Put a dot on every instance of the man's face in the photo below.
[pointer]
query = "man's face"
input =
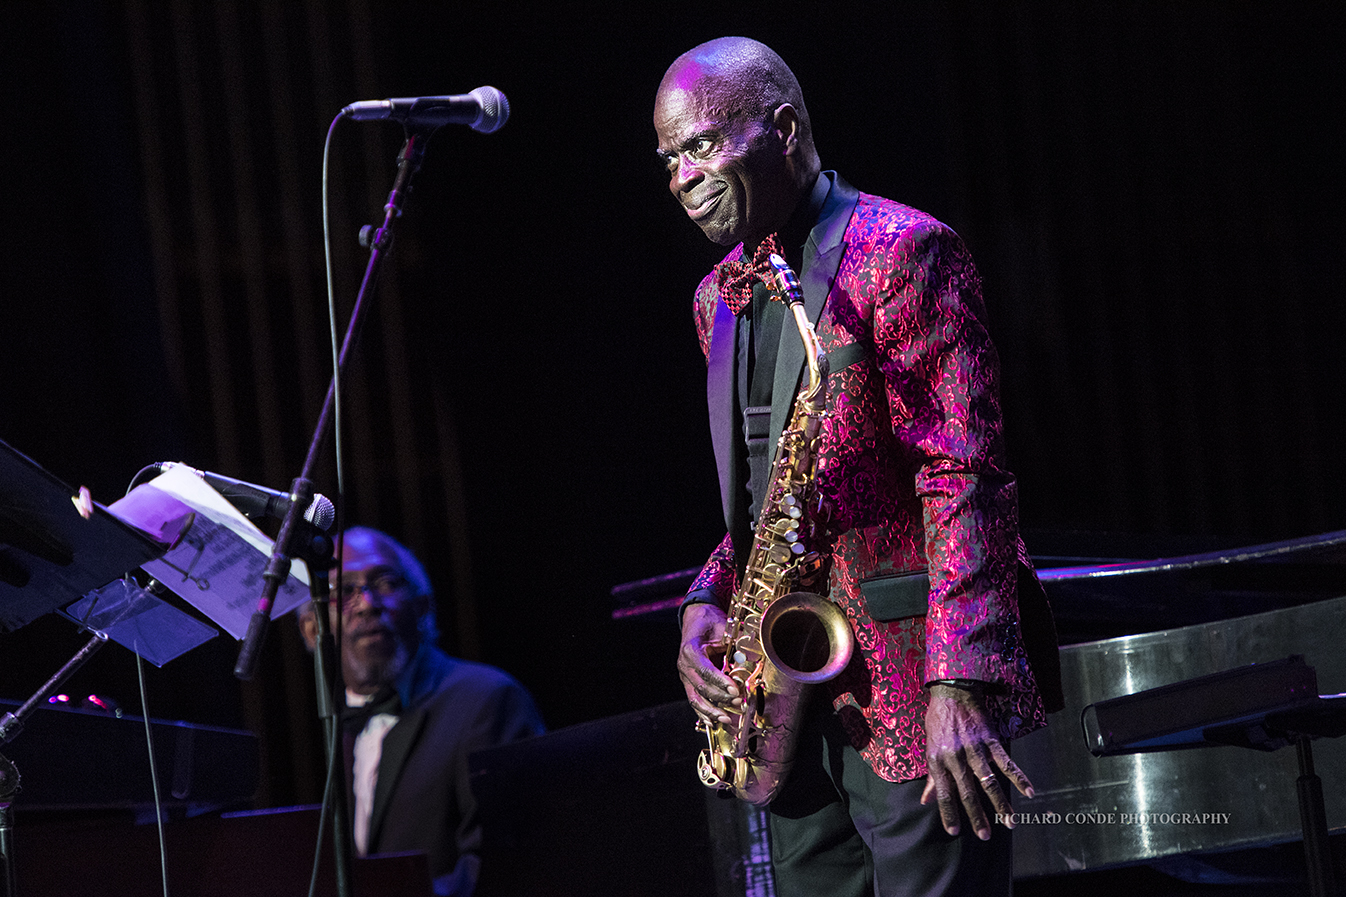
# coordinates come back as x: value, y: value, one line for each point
x: 379, y: 616
x: 730, y: 176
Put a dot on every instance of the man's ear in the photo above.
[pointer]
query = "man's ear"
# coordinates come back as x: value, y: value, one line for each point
x: 785, y: 120
x: 308, y: 628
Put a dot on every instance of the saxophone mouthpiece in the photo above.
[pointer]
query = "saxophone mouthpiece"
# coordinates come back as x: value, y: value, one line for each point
x: 787, y: 284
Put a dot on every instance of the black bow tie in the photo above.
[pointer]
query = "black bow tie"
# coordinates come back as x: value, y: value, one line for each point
x: 353, y: 719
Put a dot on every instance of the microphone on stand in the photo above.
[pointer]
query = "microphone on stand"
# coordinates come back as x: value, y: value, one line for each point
x: 258, y: 501
x: 484, y: 109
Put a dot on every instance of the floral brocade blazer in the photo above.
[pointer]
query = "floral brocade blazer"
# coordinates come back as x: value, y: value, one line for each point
x: 927, y: 562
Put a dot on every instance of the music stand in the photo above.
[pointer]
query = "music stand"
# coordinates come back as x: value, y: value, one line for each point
x: 1263, y: 706
x: 51, y: 555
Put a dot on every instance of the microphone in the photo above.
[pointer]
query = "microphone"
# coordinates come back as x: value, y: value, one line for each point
x: 484, y: 109
x: 258, y: 501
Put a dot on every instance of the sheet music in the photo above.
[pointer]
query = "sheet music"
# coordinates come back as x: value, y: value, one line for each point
x: 217, y: 566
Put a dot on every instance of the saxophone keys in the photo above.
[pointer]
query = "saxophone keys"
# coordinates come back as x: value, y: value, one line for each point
x: 741, y: 770
x: 711, y: 769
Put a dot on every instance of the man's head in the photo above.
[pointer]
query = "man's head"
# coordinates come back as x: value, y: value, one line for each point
x: 387, y: 609
x: 735, y: 137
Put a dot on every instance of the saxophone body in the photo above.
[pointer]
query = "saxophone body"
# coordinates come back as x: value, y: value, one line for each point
x: 779, y: 639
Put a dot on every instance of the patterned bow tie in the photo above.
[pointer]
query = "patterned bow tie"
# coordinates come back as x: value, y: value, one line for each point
x: 737, y: 276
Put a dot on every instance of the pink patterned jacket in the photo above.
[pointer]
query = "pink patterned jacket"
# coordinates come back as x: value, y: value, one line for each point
x: 912, y: 460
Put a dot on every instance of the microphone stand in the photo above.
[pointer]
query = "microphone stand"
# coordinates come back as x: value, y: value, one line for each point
x: 301, y: 488
x: 317, y: 554
x: 10, y: 724
x: 9, y: 784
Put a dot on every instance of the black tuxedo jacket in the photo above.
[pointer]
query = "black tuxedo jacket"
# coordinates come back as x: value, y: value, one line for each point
x: 423, y: 799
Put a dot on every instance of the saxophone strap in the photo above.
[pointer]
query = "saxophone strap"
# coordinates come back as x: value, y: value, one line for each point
x: 760, y: 336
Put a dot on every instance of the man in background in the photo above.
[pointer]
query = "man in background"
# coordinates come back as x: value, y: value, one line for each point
x: 414, y: 714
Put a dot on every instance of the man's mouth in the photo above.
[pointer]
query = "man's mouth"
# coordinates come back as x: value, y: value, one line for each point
x: 702, y: 208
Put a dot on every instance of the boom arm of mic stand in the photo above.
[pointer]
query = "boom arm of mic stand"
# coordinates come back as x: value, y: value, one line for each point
x: 278, y: 566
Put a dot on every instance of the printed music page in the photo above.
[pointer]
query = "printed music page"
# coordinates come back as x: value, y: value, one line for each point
x: 217, y: 564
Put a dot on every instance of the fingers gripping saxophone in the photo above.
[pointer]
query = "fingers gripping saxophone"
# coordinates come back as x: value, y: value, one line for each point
x: 778, y: 641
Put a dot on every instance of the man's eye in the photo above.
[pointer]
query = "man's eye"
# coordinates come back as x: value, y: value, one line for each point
x: 702, y: 146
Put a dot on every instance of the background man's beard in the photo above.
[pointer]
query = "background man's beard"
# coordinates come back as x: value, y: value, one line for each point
x: 380, y: 671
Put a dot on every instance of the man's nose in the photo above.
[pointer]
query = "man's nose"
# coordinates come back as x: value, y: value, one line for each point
x: 686, y: 175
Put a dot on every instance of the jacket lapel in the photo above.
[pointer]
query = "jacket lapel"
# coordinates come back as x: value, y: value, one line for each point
x: 822, y: 259
x: 397, y: 745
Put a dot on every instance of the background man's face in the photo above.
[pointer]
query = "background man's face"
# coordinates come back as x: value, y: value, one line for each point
x: 728, y: 175
x: 379, y: 616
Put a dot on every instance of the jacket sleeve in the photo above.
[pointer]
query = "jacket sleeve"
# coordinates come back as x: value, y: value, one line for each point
x: 941, y: 374
x: 715, y: 584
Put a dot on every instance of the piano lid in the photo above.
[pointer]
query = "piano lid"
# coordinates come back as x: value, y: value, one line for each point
x: 1115, y: 598
x: 1096, y: 594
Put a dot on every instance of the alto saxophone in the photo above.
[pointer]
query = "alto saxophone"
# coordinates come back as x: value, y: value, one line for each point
x: 777, y: 640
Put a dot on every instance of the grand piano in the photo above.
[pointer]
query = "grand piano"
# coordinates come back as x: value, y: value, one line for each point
x: 1171, y: 822
x: 1215, y: 814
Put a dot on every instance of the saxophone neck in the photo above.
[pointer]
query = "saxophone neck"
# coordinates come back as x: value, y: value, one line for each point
x: 813, y: 349
x: 787, y: 284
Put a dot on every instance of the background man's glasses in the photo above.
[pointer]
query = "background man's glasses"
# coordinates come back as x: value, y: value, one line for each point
x: 385, y: 585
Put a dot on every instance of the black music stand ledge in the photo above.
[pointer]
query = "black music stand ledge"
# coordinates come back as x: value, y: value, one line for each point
x: 1264, y: 706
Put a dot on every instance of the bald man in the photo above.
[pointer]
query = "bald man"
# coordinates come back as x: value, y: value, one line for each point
x: 902, y: 767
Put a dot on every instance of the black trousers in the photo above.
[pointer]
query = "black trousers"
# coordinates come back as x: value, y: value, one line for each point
x: 840, y: 830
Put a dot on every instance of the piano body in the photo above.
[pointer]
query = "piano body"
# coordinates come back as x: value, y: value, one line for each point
x: 1186, y: 810
x: 1198, y: 815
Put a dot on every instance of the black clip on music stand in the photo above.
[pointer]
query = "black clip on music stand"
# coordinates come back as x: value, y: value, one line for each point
x: 1263, y: 706
x: 51, y: 555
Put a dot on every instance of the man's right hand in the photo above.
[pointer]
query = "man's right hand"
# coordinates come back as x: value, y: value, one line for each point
x: 711, y: 693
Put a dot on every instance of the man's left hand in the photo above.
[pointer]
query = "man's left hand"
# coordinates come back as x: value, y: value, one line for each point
x: 964, y: 755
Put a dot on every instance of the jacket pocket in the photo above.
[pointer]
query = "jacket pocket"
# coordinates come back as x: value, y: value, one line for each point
x: 897, y: 597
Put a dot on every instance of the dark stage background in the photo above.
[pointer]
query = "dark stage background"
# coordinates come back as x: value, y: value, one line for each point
x: 1151, y: 191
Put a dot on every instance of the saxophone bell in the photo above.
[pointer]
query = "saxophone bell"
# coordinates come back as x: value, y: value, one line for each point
x: 807, y: 637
